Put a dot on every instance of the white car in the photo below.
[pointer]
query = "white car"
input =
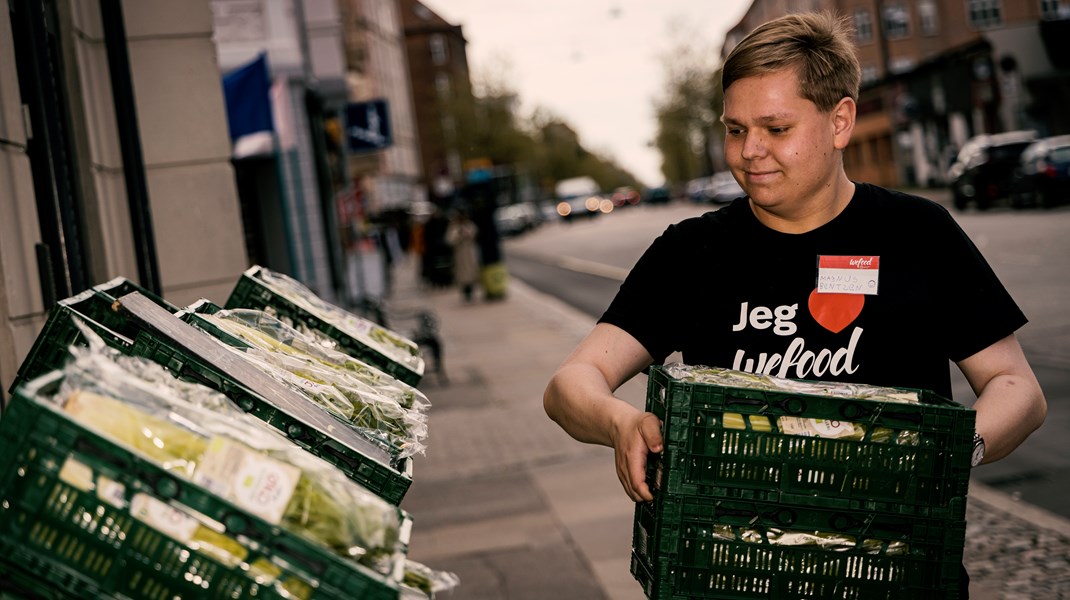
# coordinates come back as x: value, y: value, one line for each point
x: 514, y: 219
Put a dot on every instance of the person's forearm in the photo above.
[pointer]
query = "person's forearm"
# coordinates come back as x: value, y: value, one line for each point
x: 1009, y: 409
x: 581, y: 402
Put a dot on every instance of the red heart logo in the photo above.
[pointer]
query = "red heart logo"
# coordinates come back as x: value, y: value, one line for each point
x: 835, y: 311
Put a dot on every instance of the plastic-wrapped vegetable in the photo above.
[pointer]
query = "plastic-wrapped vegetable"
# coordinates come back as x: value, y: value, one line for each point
x: 391, y: 344
x: 808, y: 427
x: 426, y: 581
x: 181, y: 524
x: 231, y: 454
x: 732, y: 378
x: 267, y: 332
x: 788, y: 537
x: 801, y: 426
x: 344, y: 386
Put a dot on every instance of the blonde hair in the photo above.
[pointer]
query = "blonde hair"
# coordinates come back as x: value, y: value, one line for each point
x: 817, y: 45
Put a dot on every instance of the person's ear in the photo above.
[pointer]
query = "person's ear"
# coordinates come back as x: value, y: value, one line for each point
x: 843, y: 122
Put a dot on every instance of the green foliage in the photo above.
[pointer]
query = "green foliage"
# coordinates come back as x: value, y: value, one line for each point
x: 541, y: 147
x: 689, y: 132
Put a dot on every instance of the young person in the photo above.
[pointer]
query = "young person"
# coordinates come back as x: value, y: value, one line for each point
x: 754, y: 286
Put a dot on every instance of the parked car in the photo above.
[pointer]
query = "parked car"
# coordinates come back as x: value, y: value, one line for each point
x: 514, y: 219
x: 724, y: 188
x: 1043, y: 175
x: 658, y: 195
x: 984, y: 168
x: 696, y: 189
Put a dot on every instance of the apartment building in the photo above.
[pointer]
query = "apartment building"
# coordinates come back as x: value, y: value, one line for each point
x: 441, y: 88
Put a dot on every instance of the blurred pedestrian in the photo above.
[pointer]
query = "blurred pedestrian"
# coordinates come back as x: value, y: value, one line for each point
x: 752, y: 286
x: 461, y: 235
x: 437, y: 261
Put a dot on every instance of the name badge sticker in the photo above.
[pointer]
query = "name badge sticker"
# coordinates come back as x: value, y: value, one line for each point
x: 848, y: 274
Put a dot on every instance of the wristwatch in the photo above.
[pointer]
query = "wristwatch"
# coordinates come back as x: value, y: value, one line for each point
x: 978, y: 450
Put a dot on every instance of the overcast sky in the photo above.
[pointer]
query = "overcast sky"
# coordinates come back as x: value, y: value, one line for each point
x: 595, y: 63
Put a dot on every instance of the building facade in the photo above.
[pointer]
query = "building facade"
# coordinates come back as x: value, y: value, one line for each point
x: 441, y: 88
x: 114, y: 158
x: 377, y: 69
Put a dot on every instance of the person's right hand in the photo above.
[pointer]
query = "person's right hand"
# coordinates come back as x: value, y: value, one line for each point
x: 637, y: 436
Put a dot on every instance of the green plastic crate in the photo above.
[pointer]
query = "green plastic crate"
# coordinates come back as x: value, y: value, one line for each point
x: 74, y: 533
x: 193, y: 355
x: 252, y: 293
x: 94, y: 308
x: 703, y: 457
x: 190, y: 354
x: 685, y: 547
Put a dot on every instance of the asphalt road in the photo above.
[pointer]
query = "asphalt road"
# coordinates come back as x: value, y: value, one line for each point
x: 583, y: 263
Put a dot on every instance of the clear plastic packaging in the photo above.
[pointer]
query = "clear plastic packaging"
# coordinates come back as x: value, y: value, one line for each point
x: 421, y: 581
x: 341, y: 384
x: 732, y: 378
x: 200, y: 435
x: 391, y: 344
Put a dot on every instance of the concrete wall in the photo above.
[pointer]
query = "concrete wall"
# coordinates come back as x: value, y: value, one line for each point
x: 186, y: 150
x: 20, y: 296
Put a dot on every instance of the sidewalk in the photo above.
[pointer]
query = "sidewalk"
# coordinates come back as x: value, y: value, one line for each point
x: 519, y: 510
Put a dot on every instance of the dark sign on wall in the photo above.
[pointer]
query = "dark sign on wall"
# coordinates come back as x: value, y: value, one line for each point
x: 368, y: 126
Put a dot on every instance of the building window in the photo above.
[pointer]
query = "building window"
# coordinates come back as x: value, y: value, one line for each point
x: 869, y: 74
x: 984, y: 13
x: 1050, y: 9
x: 901, y: 65
x: 438, y: 49
x: 442, y: 84
x: 863, y: 26
x: 896, y: 19
x: 930, y: 24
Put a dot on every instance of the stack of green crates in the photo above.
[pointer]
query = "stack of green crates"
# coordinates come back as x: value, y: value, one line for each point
x: 68, y: 527
x: 742, y: 511
x: 254, y: 292
x: 84, y: 517
x: 192, y: 355
x: 96, y: 308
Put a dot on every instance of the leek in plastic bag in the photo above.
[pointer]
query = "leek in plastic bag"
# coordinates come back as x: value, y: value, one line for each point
x: 345, y: 387
x: 829, y: 541
x: 428, y: 581
x: 267, y: 332
x: 808, y: 427
x: 743, y: 379
x: 210, y: 445
x: 389, y: 343
x: 182, y: 524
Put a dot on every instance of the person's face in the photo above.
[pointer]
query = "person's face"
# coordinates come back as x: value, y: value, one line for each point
x: 782, y: 149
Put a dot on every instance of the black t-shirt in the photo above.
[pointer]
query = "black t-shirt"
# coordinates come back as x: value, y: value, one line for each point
x: 726, y: 291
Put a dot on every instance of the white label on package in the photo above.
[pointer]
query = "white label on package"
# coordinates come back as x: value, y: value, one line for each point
x: 77, y: 474
x: 253, y: 481
x: 848, y: 274
x: 111, y: 491
x: 163, y: 517
x: 815, y: 427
